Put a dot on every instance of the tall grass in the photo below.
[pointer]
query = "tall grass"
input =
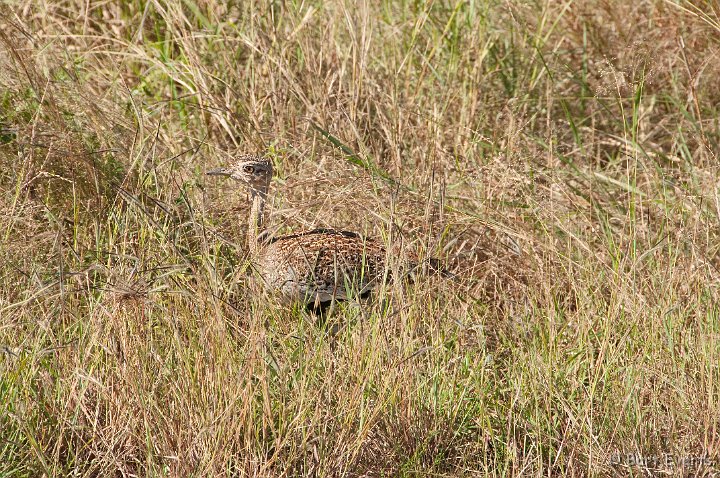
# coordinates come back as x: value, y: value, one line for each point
x: 560, y: 156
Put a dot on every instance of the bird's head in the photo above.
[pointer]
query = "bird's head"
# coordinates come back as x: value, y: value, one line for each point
x: 253, y: 171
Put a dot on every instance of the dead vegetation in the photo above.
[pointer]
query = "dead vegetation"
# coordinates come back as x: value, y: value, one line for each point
x: 562, y: 157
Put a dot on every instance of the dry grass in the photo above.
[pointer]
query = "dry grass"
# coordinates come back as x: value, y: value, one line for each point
x: 585, y: 134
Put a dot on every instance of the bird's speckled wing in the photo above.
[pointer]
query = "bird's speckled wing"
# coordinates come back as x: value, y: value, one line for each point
x: 321, y: 265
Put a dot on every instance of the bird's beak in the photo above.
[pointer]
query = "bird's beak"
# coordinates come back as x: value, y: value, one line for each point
x: 218, y: 172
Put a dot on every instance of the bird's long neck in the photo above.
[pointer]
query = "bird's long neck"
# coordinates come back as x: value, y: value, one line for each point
x: 255, y: 222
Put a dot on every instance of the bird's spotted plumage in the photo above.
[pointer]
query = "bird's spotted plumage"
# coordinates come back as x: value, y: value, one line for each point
x: 321, y: 265
x: 311, y: 267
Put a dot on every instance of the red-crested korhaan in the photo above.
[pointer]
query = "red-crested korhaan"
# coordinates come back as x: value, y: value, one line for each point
x: 315, y: 267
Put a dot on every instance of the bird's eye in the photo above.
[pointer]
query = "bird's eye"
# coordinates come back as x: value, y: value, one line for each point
x: 248, y: 169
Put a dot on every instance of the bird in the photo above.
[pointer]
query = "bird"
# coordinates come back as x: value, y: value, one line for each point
x: 317, y: 267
